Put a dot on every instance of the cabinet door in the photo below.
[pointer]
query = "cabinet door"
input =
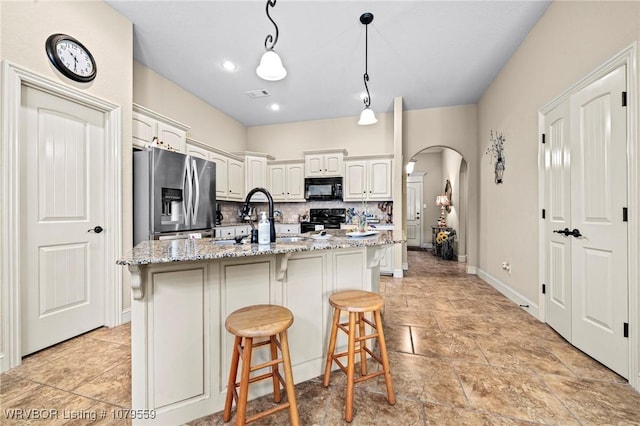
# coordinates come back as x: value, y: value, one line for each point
x: 295, y: 182
x: 303, y: 294
x: 277, y: 183
x: 143, y: 130
x: 222, y: 175
x: 386, y: 263
x: 172, y: 137
x: 196, y: 151
x: 256, y: 176
x: 379, y: 179
x: 314, y: 165
x: 235, y: 180
x: 333, y: 165
x: 355, y: 182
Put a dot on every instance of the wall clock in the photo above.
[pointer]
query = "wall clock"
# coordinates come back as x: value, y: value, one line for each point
x: 71, y: 58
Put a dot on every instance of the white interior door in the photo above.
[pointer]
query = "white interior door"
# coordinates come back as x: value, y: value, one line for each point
x: 558, y: 211
x: 586, y: 252
x: 62, y: 262
x: 414, y: 218
x: 599, y: 194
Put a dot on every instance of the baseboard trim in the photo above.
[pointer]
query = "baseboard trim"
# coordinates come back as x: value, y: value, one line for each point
x: 472, y: 270
x: 125, y: 316
x: 510, y: 293
x: 462, y: 258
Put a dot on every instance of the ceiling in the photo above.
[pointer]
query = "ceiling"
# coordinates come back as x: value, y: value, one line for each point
x: 432, y: 53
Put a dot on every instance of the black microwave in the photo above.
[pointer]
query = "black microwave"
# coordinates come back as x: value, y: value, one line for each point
x: 329, y: 188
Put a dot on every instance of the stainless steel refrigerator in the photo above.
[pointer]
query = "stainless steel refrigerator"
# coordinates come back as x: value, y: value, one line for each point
x: 174, y: 195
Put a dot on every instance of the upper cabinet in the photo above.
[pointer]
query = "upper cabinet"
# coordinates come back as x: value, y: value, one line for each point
x: 286, y: 180
x: 255, y: 166
x: 149, y: 127
x: 324, y: 163
x: 229, y: 170
x: 368, y: 178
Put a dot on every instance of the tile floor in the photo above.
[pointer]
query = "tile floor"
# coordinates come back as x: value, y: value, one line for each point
x: 460, y: 353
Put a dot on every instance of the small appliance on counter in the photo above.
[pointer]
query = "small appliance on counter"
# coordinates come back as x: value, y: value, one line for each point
x: 219, y: 215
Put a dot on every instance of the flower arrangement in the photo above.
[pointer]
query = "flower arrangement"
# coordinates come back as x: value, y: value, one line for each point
x: 445, y: 241
x: 496, y: 152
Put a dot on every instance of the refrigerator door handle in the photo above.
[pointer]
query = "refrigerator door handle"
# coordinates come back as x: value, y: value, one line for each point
x: 195, y: 182
x: 187, y: 191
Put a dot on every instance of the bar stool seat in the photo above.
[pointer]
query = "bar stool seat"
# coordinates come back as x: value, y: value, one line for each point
x: 247, y: 324
x: 357, y: 303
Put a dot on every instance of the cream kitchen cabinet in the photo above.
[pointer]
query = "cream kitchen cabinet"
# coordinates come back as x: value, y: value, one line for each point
x: 324, y: 163
x: 232, y: 231
x: 287, y: 228
x: 229, y: 170
x: 147, y: 125
x: 255, y: 168
x: 286, y: 181
x: 368, y: 179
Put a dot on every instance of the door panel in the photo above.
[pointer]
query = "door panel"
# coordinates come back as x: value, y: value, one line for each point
x: 558, y: 205
x: 414, y: 223
x: 62, y: 264
x: 599, y: 188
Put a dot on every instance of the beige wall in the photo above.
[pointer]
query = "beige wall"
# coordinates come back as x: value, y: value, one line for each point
x: 570, y: 40
x: 207, y: 124
x: 24, y: 27
x: 290, y: 140
x: 455, y: 128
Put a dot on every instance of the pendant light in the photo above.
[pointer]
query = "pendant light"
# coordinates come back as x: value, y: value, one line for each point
x: 366, y: 116
x: 271, y: 68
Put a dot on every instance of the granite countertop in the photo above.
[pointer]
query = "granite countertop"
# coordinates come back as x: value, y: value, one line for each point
x: 166, y: 251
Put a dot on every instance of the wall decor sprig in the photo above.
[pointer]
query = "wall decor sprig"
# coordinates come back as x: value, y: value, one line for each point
x: 496, y: 152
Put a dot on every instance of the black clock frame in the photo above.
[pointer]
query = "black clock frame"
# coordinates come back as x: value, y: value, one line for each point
x: 50, y: 46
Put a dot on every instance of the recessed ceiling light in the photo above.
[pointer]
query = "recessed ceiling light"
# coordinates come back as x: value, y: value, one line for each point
x: 229, y: 66
x: 275, y: 107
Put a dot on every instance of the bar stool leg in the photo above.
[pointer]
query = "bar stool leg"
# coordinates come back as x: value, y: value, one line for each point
x: 233, y: 374
x: 362, y: 344
x: 277, y: 397
x: 291, y: 393
x: 241, y: 411
x: 332, y: 346
x: 385, y: 359
x: 351, y: 355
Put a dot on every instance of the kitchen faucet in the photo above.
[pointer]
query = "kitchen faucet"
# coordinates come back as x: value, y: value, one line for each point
x: 247, y: 209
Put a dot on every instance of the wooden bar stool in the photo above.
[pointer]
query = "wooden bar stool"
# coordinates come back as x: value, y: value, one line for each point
x: 246, y: 324
x: 356, y: 303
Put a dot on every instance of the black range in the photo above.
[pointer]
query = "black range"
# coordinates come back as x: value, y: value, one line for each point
x: 328, y: 218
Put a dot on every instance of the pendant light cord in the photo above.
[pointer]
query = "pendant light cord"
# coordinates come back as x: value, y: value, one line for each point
x: 270, y: 38
x: 367, y: 100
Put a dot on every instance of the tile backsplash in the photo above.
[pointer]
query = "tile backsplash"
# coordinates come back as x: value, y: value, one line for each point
x: 291, y: 212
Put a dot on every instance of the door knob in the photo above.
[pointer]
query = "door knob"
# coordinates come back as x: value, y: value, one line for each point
x: 564, y: 231
x: 98, y: 229
x: 576, y: 233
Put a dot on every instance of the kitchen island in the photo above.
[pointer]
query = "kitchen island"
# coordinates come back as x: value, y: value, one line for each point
x: 184, y: 289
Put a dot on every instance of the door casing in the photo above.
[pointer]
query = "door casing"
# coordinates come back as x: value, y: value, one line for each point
x: 627, y: 57
x: 13, y: 78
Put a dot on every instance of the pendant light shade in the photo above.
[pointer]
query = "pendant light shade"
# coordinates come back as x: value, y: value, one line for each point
x: 367, y: 116
x: 271, y: 68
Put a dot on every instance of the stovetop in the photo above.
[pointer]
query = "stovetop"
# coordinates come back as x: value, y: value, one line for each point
x: 327, y: 215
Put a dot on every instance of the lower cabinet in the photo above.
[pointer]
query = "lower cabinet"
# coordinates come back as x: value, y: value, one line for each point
x: 287, y: 228
x: 181, y: 349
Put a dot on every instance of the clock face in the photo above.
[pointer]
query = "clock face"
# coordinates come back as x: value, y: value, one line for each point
x: 71, y: 58
x: 75, y: 58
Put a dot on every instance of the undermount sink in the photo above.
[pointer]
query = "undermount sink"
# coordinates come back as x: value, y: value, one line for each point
x: 289, y: 239
x: 224, y: 242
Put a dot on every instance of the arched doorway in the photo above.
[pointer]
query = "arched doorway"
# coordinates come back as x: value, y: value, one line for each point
x: 434, y: 167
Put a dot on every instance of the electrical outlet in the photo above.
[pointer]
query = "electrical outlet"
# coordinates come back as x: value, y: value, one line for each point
x: 506, y: 266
